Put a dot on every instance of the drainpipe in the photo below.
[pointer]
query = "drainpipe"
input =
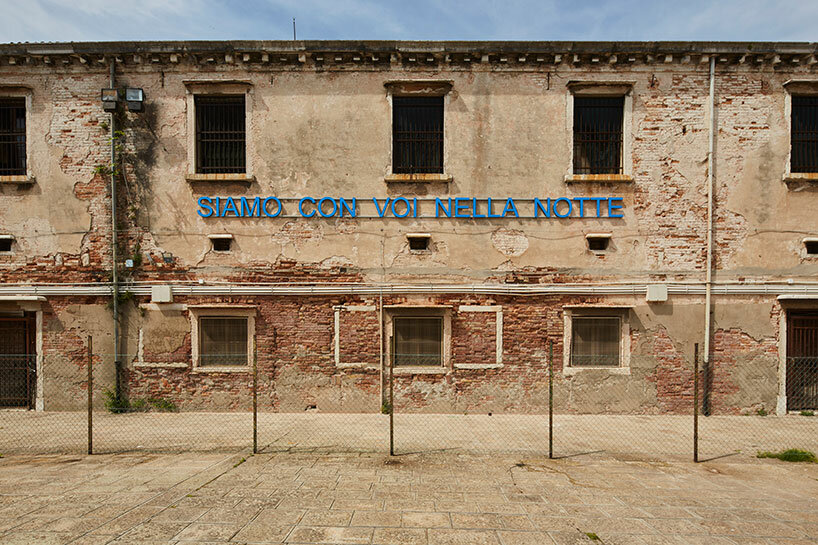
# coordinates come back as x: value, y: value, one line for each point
x: 708, y: 283
x: 114, y: 275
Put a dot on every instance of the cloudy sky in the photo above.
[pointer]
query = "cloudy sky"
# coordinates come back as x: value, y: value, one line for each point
x: 91, y: 20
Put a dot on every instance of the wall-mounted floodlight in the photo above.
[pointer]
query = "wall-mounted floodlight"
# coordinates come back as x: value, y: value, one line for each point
x: 135, y: 98
x: 109, y: 99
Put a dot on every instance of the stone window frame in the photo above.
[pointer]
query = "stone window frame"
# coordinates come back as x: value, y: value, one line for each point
x: 498, y: 338
x: 605, y: 88
x: 623, y: 313
x: 221, y: 311
x: 216, y: 88
x: 420, y: 311
x: 420, y: 88
x: 797, y: 88
x: 336, y: 335
x: 27, y: 93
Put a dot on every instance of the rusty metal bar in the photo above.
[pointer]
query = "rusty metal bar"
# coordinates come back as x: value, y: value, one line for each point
x: 90, y: 388
x: 551, y: 398
x: 255, y: 397
x: 696, y: 402
x: 391, y: 396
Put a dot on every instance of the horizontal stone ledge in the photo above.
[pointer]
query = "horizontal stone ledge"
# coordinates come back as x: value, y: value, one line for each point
x: 598, y: 178
x: 226, y: 177
x: 418, y: 178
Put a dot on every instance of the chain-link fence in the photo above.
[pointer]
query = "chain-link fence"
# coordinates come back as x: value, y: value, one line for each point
x: 642, y: 408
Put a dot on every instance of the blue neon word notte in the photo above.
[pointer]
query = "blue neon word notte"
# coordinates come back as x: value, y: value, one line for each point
x: 402, y: 207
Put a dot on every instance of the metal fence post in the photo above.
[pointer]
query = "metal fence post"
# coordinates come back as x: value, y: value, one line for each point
x: 255, y: 398
x: 90, y: 387
x: 551, y: 398
x: 391, y: 397
x: 696, y: 402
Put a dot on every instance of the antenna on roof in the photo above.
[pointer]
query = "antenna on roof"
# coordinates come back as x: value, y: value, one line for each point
x: 293, y: 28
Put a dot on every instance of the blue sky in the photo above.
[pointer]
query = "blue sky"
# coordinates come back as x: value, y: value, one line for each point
x: 92, y: 20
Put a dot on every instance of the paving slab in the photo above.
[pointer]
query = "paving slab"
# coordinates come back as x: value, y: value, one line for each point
x: 417, y: 499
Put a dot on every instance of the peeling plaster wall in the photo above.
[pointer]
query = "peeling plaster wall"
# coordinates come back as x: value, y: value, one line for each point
x: 318, y: 132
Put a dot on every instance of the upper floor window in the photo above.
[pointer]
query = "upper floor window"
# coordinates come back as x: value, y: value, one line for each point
x: 598, y: 134
x: 12, y: 136
x: 417, y: 135
x: 804, y: 135
x: 220, y: 134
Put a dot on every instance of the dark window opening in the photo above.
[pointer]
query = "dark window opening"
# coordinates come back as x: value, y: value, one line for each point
x: 223, y: 341
x: 804, y: 137
x: 598, y: 135
x: 418, y: 341
x: 220, y: 134
x: 595, y: 342
x: 598, y: 244
x: 811, y: 246
x: 418, y: 243
x: 5, y: 244
x: 221, y: 244
x: 417, y: 135
x: 12, y: 136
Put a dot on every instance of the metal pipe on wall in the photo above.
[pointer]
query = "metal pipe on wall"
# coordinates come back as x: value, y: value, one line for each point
x: 708, y: 282
x: 114, y: 272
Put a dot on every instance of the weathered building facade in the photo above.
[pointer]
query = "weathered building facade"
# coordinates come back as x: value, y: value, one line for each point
x: 451, y: 208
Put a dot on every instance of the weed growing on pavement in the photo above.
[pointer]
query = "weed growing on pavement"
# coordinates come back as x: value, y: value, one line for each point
x: 790, y: 455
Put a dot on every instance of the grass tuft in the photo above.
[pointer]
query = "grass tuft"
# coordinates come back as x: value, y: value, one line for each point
x: 807, y: 413
x: 790, y: 455
x: 592, y: 536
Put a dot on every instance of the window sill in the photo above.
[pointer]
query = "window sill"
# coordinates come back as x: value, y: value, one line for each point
x: 414, y: 178
x: 171, y: 365
x: 229, y: 177
x: 410, y: 370
x: 478, y: 365
x: 221, y: 369
x: 610, y: 370
x: 801, y: 177
x: 17, y: 180
x: 357, y: 365
x: 599, y: 178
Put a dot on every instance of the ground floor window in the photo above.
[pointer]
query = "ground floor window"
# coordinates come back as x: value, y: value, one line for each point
x: 222, y: 337
x: 223, y: 341
x: 595, y: 342
x: 596, y: 338
x: 418, y: 340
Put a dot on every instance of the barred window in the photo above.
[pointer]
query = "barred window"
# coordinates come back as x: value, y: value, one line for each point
x: 595, y: 341
x: 417, y: 135
x: 598, y: 135
x: 804, y: 135
x: 418, y: 340
x: 220, y: 134
x: 12, y: 136
x: 222, y: 341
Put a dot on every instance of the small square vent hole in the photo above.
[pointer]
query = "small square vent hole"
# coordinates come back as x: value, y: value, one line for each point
x: 418, y: 242
x: 221, y: 244
x: 5, y: 244
x: 598, y: 243
x: 811, y: 247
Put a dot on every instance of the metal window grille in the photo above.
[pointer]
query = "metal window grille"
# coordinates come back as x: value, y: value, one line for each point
x: 12, y: 136
x: 418, y: 341
x: 220, y: 134
x: 804, y: 135
x: 595, y: 342
x: 417, y: 135
x: 598, y: 135
x: 802, y: 361
x: 222, y: 341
